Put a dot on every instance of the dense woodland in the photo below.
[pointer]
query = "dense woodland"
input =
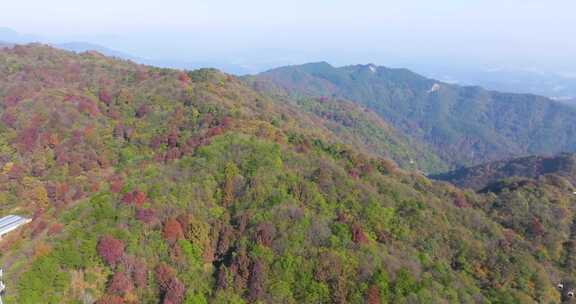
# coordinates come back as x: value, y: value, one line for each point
x: 151, y: 185
x: 532, y: 167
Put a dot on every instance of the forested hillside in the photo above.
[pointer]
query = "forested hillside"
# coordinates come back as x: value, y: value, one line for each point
x: 531, y: 167
x: 150, y: 185
x: 362, y: 128
x: 465, y: 125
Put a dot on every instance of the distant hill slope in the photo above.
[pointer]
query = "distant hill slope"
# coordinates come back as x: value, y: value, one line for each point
x: 365, y: 130
x: 464, y: 125
x: 532, y: 167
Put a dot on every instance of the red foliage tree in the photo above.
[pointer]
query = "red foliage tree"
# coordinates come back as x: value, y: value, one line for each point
x: 140, y: 274
x: 256, y: 283
x: 105, y: 96
x: 113, y: 113
x: 226, y: 122
x: 87, y: 106
x: 221, y: 279
x: 215, y: 131
x: 27, y: 138
x: 172, y: 154
x: 55, y: 229
x: 16, y: 172
x: 358, y: 235
x: 135, y: 269
x: 8, y: 119
x: 373, y: 295
x: 116, y: 184
x: 175, y: 292
x: 536, y: 228
x: 163, y: 274
x: 172, y: 139
x: 172, y: 230
x: 264, y: 234
x: 460, y: 201
x: 120, y: 284
x: 78, y: 194
x: 141, y: 75
x: 128, y: 133
x: 110, y: 250
x: 156, y: 141
x: 225, y: 237
x: 142, y: 111
x: 138, y: 197
x: 145, y: 215
x: 127, y: 198
x: 39, y: 227
x: 183, y: 77
x: 240, y: 268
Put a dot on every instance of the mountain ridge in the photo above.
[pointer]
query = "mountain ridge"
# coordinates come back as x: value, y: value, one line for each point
x: 530, y: 167
x: 466, y: 125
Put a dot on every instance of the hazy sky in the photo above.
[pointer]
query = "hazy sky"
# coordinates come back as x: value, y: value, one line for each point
x: 522, y: 32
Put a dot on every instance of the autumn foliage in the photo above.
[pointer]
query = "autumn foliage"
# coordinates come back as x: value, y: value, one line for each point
x: 110, y: 249
x: 172, y: 230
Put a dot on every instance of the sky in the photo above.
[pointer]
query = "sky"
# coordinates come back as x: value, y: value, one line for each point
x: 536, y: 34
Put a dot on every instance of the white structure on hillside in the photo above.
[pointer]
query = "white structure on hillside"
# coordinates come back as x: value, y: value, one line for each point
x: 435, y: 88
x: 7, y: 224
x: 10, y: 223
x: 2, y: 286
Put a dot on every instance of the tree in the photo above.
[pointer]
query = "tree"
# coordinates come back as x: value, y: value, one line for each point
x: 110, y: 250
x: 116, y: 183
x: 120, y: 284
x: 172, y: 230
x: 127, y: 198
x: 256, y: 283
x: 55, y: 229
x: 163, y: 274
x: 536, y: 229
x: 183, y: 77
x: 358, y: 235
x: 142, y: 111
x: 230, y: 171
x: 140, y: 273
x: 264, y: 234
x: 8, y: 119
x: 110, y: 299
x: 175, y: 291
x: 373, y: 295
x: 105, y: 96
x: 118, y: 131
x: 172, y: 139
x: 138, y: 197
x: 146, y: 216
x: 27, y: 138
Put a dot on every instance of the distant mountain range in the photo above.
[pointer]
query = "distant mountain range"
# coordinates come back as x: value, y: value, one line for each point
x: 554, y: 84
x: 464, y: 125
